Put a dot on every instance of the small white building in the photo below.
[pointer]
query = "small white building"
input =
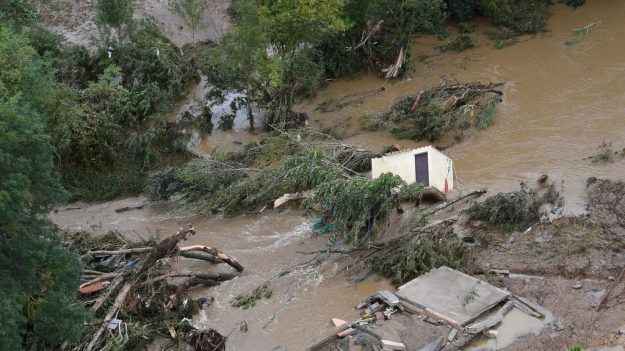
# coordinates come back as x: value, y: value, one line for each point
x: 425, y: 165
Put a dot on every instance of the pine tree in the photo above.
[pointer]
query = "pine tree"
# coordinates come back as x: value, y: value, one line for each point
x: 38, y: 305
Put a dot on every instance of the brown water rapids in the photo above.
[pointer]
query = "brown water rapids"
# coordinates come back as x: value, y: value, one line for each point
x: 560, y: 103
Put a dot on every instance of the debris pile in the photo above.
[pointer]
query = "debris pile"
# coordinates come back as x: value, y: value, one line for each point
x: 432, y: 113
x: 134, y: 295
x: 517, y: 210
x: 456, y: 309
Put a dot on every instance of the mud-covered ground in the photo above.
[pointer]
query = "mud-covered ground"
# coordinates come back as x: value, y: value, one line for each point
x: 572, y: 266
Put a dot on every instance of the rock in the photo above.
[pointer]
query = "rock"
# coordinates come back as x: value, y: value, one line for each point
x: 577, y: 285
x: 559, y: 324
x: 611, y: 278
x: 621, y: 329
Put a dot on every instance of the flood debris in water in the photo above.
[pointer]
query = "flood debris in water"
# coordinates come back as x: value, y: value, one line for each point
x: 135, y: 296
x: 433, y: 113
x: 431, y: 312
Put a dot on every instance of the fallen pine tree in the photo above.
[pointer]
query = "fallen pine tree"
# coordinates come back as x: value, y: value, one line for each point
x: 134, y: 297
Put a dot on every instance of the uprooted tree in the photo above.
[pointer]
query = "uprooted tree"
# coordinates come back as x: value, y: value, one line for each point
x: 141, y: 300
x: 433, y: 113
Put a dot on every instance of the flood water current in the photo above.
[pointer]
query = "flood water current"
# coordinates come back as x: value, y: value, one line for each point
x: 560, y: 102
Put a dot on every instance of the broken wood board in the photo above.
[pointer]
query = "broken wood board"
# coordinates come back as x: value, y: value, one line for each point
x: 457, y: 297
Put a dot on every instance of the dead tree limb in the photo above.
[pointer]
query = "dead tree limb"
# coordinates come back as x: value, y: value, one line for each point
x: 100, y: 301
x: 166, y: 247
x: 186, y: 285
x: 120, y: 252
x: 609, y: 292
x: 202, y: 256
x: 213, y: 251
x: 99, y: 278
x: 111, y: 313
x: 445, y: 205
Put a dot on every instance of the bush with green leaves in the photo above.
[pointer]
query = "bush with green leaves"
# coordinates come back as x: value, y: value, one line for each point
x: 410, y: 192
x: 520, y: 16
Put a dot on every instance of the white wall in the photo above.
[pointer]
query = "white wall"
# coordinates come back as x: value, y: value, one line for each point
x: 440, y: 168
x: 402, y: 163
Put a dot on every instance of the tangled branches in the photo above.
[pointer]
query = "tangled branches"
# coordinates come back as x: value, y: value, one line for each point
x: 433, y: 113
x: 418, y: 251
x: 516, y: 210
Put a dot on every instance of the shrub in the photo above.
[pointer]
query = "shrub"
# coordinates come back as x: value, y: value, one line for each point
x: 516, y: 210
x: 520, y: 16
x: 461, y: 43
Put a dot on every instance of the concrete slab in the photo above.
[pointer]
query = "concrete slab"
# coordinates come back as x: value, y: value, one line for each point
x: 453, y: 296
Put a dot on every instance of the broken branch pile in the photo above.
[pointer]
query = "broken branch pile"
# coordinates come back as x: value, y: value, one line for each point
x: 212, y: 185
x: 132, y: 295
x: 432, y: 113
x: 517, y: 210
x: 418, y: 251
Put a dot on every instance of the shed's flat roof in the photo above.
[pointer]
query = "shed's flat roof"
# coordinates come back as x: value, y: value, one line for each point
x: 445, y: 292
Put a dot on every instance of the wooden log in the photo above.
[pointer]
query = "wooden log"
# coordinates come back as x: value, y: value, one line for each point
x: 99, y: 279
x: 100, y: 301
x: 120, y: 252
x: 119, y: 300
x: 202, y: 256
x: 165, y: 247
x: 213, y: 251
x: 186, y: 285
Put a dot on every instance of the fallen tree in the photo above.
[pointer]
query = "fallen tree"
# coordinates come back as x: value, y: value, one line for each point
x: 142, y: 299
x: 431, y: 114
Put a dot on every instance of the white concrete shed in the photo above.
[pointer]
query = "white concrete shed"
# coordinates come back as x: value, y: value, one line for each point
x: 425, y: 165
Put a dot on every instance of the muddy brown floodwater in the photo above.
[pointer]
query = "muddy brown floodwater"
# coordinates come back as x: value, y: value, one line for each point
x: 560, y: 103
x: 298, y: 312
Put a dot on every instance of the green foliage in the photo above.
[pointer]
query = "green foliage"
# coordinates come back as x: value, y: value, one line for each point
x: 516, y: 210
x: 420, y: 252
x: 38, y: 287
x: 470, y: 296
x: 574, y: 4
x: 274, y: 78
x: 410, y: 192
x: 577, y: 347
x: 520, y: 16
x: 434, y: 112
x: 461, y: 43
x: 39, y: 277
x: 502, y: 38
x: 248, y: 300
x: 466, y: 28
x: 106, y: 132
x: 461, y: 9
x: 17, y: 12
x: 488, y: 114
x: 604, y: 155
x: 353, y: 206
x: 114, y: 14
x: 212, y: 186
x: 192, y: 11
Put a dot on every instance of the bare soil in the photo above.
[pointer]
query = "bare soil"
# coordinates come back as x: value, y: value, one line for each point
x: 75, y: 20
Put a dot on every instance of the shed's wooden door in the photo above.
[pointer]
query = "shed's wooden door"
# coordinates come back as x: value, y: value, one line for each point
x: 421, y: 168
